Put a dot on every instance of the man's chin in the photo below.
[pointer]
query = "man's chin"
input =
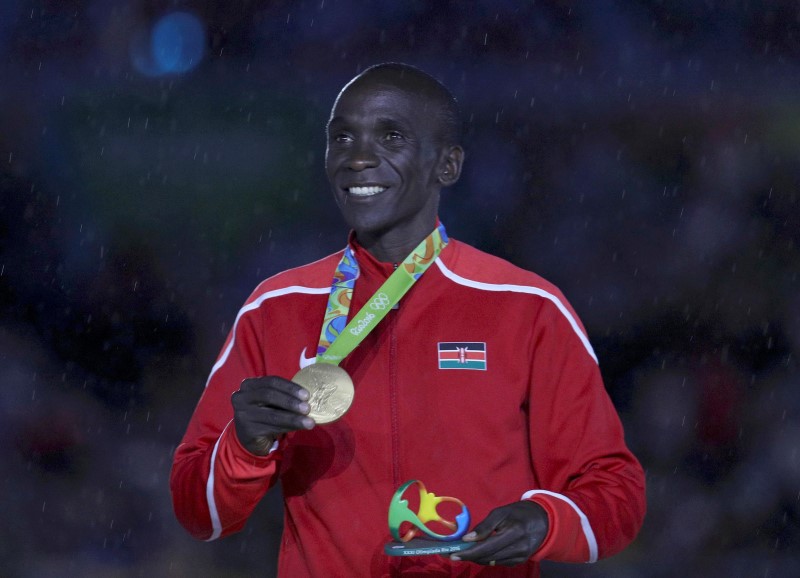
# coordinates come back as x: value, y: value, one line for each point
x: 369, y: 228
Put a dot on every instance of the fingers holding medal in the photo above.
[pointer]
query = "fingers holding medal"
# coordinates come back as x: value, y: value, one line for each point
x: 267, y: 407
x: 330, y: 391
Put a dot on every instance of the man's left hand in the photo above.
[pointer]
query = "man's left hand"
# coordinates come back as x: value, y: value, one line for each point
x: 508, y: 536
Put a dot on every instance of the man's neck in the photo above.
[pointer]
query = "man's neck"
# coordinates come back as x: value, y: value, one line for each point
x: 392, y: 246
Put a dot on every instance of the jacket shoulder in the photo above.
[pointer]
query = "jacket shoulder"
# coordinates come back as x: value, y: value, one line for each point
x: 313, y: 277
x: 470, y: 267
x: 474, y: 265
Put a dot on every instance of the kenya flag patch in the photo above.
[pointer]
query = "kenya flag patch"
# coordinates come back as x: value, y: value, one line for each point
x: 462, y: 355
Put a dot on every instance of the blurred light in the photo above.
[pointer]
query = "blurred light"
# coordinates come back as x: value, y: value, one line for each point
x: 178, y: 42
x: 174, y: 45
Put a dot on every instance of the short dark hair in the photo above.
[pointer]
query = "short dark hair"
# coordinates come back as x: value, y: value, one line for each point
x: 410, y: 77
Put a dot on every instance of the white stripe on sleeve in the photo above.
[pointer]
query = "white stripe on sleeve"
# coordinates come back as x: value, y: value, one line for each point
x: 255, y: 305
x: 521, y: 289
x: 585, y: 526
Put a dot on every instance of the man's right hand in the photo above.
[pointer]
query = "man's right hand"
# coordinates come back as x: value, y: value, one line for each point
x: 266, y: 407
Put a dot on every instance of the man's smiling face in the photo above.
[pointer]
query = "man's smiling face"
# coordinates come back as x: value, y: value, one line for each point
x: 383, y: 160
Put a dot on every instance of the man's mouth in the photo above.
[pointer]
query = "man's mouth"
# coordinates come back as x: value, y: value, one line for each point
x: 365, y: 191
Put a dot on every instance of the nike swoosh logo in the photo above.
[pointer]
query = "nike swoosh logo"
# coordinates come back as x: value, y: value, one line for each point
x: 306, y: 361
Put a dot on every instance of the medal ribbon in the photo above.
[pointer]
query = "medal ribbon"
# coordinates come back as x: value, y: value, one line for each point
x: 336, y: 340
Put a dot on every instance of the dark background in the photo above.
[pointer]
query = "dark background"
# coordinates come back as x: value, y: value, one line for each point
x: 155, y: 166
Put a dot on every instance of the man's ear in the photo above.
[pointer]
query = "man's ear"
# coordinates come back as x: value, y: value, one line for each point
x: 450, y: 166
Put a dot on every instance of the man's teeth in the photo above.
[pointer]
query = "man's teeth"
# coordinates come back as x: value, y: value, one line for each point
x: 365, y: 191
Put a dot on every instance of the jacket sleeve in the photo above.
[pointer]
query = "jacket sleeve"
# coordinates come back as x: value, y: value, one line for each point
x: 589, y: 483
x: 215, y: 482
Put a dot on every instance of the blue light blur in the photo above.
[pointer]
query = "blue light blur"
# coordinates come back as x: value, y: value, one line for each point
x: 177, y: 42
x: 174, y: 45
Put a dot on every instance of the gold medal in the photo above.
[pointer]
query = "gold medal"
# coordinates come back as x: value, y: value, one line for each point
x: 330, y: 389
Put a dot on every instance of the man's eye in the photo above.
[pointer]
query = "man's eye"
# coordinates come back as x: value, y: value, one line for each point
x: 343, y: 138
x: 393, y: 135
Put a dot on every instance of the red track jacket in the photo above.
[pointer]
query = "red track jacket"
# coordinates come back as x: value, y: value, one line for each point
x: 528, y: 418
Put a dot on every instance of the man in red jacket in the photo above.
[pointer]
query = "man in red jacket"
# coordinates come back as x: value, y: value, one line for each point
x: 477, y: 378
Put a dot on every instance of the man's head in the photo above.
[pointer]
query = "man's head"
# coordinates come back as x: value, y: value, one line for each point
x: 392, y: 145
x: 441, y: 101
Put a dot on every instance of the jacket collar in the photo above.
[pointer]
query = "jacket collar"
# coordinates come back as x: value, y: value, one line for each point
x: 367, y: 261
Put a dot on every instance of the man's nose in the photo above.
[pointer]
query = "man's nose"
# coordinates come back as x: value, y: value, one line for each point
x: 363, y: 157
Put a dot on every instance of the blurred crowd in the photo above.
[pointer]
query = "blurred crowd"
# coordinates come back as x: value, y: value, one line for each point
x: 159, y: 158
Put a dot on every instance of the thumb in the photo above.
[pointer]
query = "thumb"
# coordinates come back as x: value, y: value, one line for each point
x: 484, y: 529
